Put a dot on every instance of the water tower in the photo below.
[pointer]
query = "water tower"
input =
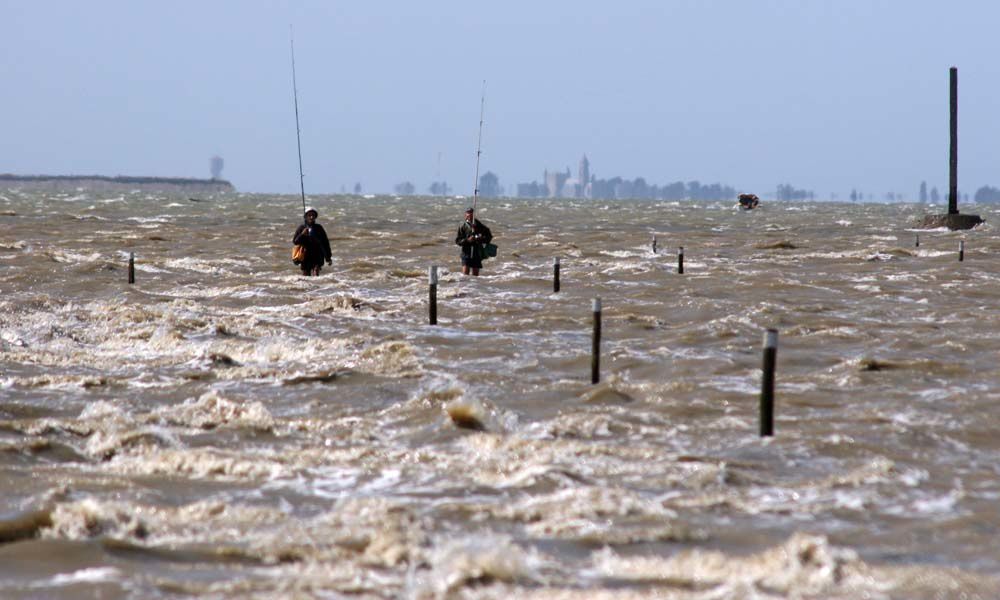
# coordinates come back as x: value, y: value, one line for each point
x: 216, y: 164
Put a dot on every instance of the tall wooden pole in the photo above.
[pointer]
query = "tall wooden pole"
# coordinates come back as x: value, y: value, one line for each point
x: 953, y: 154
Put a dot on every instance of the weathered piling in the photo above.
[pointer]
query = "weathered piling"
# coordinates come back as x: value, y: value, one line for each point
x: 961, y: 250
x: 595, y: 353
x: 131, y: 267
x: 654, y: 244
x: 952, y: 219
x: 555, y: 275
x: 680, y: 260
x: 918, y: 241
x: 767, y: 383
x: 953, y: 147
x: 432, y: 281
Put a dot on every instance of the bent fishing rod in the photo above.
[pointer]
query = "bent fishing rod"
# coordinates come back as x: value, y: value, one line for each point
x: 298, y: 134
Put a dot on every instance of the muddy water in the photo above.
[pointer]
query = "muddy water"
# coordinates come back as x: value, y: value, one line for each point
x: 226, y: 428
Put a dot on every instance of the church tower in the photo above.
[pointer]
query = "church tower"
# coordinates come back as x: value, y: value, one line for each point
x: 583, y: 178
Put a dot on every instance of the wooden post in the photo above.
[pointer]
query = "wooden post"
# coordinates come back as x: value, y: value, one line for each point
x: 595, y: 352
x: 953, y: 220
x: 953, y: 154
x: 680, y: 260
x: 432, y: 280
x: 767, y: 383
x: 131, y: 267
x: 555, y: 275
x: 961, y: 250
x: 654, y: 244
x: 918, y: 240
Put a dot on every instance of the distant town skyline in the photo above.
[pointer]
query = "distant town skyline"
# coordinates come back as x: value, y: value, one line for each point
x: 822, y: 96
x: 562, y: 184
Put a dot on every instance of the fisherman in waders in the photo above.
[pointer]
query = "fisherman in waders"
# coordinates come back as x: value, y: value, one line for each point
x: 312, y: 235
x: 472, y: 236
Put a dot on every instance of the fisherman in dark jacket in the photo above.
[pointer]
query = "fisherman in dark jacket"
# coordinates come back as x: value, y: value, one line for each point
x: 472, y: 236
x: 312, y: 235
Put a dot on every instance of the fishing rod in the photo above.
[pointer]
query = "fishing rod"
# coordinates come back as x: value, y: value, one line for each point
x: 298, y: 134
x: 479, y: 152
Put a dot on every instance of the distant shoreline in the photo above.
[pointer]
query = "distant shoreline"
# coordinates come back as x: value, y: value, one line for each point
x: 102, y: 183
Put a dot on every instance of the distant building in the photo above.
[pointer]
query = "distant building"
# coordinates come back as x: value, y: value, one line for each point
x: 557, y: 184
x: 583, y: 178
x: 570, y: 189
x: 554, y: 182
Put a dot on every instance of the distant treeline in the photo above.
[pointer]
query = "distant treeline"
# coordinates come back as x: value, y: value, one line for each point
x: 116, y: 179
x: 987, y: 194
x: 617, y: 187
x: 788, y: 192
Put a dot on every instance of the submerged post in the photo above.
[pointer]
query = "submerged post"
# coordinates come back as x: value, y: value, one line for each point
x: 432, y: 280
x: 654, y: 244
x: 680, y: 260
x: 961, y: 250
x: 918, y: 240
x: 131, y: 267
x: 595, y: 352
x: 555, y: 275
x: 767, y: 383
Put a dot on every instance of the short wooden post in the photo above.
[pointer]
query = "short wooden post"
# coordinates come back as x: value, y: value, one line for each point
x: 595, y: 352
x: 432, y: 280
x: 131, y: 267
x: 654, y: 244
x: 961, y: 250
x: 918, y: 240
x: 767, y: 383
x: 555, y: 275
x: 680, y: 260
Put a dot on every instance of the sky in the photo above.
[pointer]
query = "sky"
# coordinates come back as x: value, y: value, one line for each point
x: 825, y: 95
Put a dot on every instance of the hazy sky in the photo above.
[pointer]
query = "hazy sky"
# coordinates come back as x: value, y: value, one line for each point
x: 825, y: 95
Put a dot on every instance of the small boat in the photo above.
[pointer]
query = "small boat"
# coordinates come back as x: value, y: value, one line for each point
x: 749, y: 201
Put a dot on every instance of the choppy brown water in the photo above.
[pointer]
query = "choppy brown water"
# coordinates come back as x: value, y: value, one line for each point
x: 226, y: 428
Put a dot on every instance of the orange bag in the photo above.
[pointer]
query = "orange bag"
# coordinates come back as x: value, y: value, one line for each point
x: 298, y: 254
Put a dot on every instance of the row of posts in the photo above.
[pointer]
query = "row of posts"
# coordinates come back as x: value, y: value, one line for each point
x: 770, y: 345
x: 961, y: 248
x: 432, y: 276
x: 555, y: 271
x: 770, y: 350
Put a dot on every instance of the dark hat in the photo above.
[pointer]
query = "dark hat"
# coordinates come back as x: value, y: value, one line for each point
x: 468, y: 210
